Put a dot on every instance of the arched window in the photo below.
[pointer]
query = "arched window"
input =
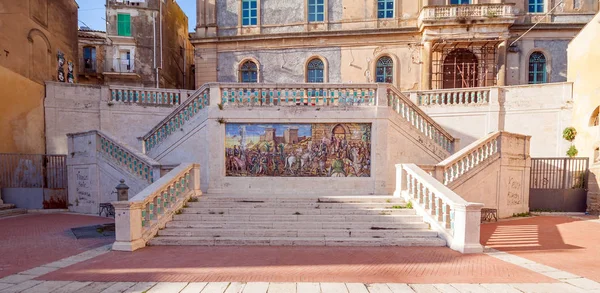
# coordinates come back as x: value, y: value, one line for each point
x: 249, y: 72
x: 594, y: 119
x: 385, y: 70
x: 315, y: 71
x: 461, y: 69
x: 537, y: 68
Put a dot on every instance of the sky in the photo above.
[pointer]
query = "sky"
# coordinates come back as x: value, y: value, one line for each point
x: 92, y: 13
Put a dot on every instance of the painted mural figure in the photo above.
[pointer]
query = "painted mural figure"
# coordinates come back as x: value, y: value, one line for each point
x: 298, y: 150
x: 61, y: 63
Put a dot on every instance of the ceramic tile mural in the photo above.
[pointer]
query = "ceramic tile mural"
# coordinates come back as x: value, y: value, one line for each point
x: 298, y: 150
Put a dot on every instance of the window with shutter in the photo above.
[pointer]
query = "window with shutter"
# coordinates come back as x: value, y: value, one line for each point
x: 124, y: 24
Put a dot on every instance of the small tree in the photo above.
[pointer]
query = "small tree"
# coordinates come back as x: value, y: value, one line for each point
x: 572, y: 151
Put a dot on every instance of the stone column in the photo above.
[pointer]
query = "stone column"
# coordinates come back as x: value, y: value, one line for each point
x: 426, y: 69
x: 502, y: 63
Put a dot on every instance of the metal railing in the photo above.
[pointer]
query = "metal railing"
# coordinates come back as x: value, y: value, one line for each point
x: 119, y: 65
x: 33, y: 171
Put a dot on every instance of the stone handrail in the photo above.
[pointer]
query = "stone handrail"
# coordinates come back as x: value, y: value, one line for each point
x: 415, y: 116
x: 184, y: 112
x: 148, y: 96
x: 471, y: 156
x: 308, y: 94
x: 455, y: 219
x: 465, y: 96
x: 126, y: 157
x: 490, y: 10
x: 140, y: 218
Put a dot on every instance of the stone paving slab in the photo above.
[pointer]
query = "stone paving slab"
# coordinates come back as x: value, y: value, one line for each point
x: 554, y: 243
x: 43, y: 238
x: 296, y: 264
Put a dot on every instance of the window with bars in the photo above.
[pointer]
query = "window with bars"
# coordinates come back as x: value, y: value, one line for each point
x: 315, y: 71
x: 536, y: 6
x: 249, y: 72
x: 384, y: 72
x: 249, y: 12
x: 537, y: 68
x: 385, y: 9
x: 124, y: 24
x: 454, y: 2
x: 316, y: 10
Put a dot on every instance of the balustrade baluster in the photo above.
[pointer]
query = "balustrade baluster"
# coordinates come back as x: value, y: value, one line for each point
x: 423, y: 195
x: 438, y: 209
x: 408, y: 183
x: 447, y: 216
x: 430, y: 202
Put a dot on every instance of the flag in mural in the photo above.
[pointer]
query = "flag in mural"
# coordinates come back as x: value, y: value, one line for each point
x: 298, y: 150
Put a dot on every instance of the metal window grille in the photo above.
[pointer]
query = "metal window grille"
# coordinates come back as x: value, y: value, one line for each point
x: 315, y: 71
x: 464, y: 65
x: 537, y: 68
x: 249, y: 72
x: 384, y: 72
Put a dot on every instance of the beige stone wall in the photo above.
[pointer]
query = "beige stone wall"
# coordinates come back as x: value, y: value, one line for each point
x: 21, y: 114
x: 584, y: 55
x: 32, y: 32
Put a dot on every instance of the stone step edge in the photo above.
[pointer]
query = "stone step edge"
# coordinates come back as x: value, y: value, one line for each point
x: 12, y: 212
x: 296, y: 222
x: 208, y: 241
x: 327, y: 230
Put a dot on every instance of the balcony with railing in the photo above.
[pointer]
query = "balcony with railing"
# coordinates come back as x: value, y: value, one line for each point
x: 88, y: 66
x: 119, y: 66
x: 461, y: 14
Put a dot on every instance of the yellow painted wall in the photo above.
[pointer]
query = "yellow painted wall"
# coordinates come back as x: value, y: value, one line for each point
x: 584, y: 72
x: 21, y: 114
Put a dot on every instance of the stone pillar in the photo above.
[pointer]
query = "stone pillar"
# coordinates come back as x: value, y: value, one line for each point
x: 502, y: 63
x: 467, y: 222
x: 128, y: 226
x: 426, y: 68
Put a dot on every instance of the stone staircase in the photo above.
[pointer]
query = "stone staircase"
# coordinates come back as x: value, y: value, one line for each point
x: 319, y: 221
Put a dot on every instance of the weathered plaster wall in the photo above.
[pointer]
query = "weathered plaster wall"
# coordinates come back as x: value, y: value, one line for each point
x: 558, y: 54
x: 279, y: 66
x: 21, y: 114
x: 584, y: 55
x: 227, y: 16
x: 32, y: 32
x: 79, y: 108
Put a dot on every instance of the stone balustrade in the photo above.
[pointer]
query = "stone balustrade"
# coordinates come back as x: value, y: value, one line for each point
x: 470, y: 157
x: 140, y: 218
x: 455, y: 219
x: 184, y: 112
x: 491, y: 10
x: 466, y: 96
x: 127, y: 158
x: 317, y: 95
x: 151, y: 96
x: 415, y: 116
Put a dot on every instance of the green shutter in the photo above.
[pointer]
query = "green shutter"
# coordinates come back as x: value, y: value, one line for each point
x: 124, y: 25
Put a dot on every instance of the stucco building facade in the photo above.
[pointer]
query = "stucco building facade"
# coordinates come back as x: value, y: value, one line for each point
x: 147, y: 45
x: 38, y: 43
x: 415, y: 45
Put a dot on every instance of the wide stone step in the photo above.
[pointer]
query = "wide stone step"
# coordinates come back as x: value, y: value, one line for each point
x: 291, y: 199
x: 297, y: 211
x: 299, y: 225
x: 298, y: 241
x: 298, y: 218
x: 305, y: 205
x: 342, y: 233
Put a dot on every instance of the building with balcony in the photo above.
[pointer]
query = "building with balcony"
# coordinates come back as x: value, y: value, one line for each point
x: 415, y: 45
x: 92, y: 49
x: 147, y: 44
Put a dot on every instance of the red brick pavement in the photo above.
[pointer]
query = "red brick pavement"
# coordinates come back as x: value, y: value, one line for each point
x: 30, y: 241
x: 564, y: 243
x: 296, y: 264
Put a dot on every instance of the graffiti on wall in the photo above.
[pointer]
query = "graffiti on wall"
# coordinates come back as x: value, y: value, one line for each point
x: 61, y: 63
x: 298, y: 150
x: 70, y: 76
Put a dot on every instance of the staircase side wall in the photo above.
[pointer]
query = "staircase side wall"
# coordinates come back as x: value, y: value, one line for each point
x: 72, y: 108
x: 502, y: 183
x: 92, y: 178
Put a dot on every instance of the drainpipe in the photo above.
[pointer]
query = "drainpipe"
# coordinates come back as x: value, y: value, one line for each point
x: 154, y: 47
x: 161, y: 33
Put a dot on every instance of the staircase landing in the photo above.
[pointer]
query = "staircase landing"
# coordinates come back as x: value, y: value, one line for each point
x: 297, y: 221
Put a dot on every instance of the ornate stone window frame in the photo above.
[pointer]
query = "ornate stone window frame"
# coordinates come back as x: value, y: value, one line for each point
x: 325, y: 67
x: 395, y: 68
x: 258, y: 69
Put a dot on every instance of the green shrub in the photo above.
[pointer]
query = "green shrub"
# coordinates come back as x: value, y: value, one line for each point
x: 569, y: 133
x: 572, y: 151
